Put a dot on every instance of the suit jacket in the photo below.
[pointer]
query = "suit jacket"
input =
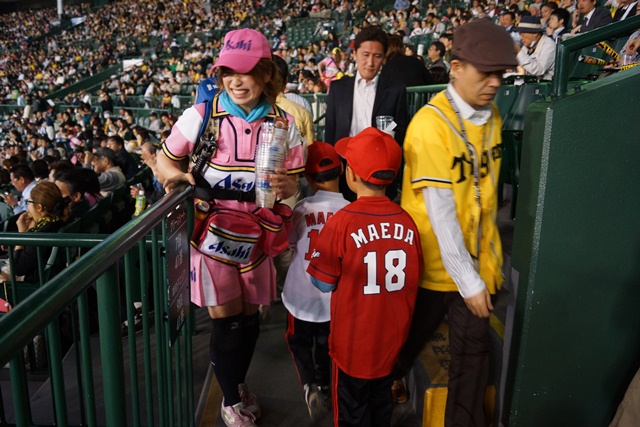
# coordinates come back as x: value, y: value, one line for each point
x: 390, y: 100
x: 620, y: 13
x: 601, y: 17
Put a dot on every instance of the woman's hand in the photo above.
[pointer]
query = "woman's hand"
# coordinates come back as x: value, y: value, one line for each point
x: 283, y: 185
x: 182, y: 178
x: 23, y: 222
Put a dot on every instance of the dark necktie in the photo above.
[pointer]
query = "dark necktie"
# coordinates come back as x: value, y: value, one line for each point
x: 586, y: 21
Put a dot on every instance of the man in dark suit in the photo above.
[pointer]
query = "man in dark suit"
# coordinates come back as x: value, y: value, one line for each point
x: 370, y: 94
x: 626, y: 9
x: 593, y: 17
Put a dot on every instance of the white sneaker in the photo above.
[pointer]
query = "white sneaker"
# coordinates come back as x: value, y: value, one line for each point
x: 237, y: 416
x: 249, y: 400
x: 315, y: 402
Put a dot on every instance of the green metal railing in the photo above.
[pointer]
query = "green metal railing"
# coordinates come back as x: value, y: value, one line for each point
x: 567, y: 47
x: 418, y: 96
x: 153, y: 241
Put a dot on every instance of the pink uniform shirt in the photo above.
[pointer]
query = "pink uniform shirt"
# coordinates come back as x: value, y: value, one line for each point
x: 231, y: 168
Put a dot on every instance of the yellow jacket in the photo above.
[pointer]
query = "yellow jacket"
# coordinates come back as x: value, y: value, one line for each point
x: 436, y: 156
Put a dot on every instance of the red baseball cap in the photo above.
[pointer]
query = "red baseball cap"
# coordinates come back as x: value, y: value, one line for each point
x: 242, y: 49
x: 371, y: 151
x: 319, y: 151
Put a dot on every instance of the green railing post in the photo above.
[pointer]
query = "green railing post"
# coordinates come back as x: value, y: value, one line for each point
x: 111, y: 347
x: 131, y: 326
x: 57, y: 373
x: 20, y: 391
x: 87, y: 367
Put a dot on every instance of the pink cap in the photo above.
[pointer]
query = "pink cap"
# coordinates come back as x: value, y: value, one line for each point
x: 242, y: 50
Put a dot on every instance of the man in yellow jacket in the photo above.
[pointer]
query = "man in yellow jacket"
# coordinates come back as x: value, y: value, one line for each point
x: 452, y: 154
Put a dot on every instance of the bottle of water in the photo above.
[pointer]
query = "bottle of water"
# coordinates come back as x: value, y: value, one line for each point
x: 141, y: 203
x: 270, y: 155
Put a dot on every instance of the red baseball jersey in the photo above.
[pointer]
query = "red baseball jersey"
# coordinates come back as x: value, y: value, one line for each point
x: 371, y: 251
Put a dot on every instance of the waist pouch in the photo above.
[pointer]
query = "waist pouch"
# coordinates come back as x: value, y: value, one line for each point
x: 232, y: 236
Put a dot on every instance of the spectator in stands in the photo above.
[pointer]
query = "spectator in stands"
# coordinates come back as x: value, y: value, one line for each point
x: 122, y: 102
x: 534, y: 10
x: 124, y: 129
x: 435, y: 53
x: 91, y: 183
x: 24, y: 181
x: 45, y: 212
x: 106, y: 103
x: 154, y: 123
x: 372, y: 94
x: 545, y: 12
x: 438, y: 25
x: 492, y: 11
x: 626, y: 9
x: 304, y: 120
x: 40, y: 169
x: 155, y: 192
x: 123, y: 158
x: 71, y: 185
x: 592, y: 17
x: 110, y: 176
x: 417, y: 29
x: 332, y: 67
x: 557, y: 25
x: 408, y: 70
x: 537, y: 56
x: 508, y: 21
x: 460, y: 273
x: 291, y: 92
x: 149, y: 95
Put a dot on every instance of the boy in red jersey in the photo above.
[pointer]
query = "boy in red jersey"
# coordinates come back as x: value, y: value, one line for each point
x: 369, y: 255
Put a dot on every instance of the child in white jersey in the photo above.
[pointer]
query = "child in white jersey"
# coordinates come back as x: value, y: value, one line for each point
x: 309, y: 309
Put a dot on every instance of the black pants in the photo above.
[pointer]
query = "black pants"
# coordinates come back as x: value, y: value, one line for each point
x: 309, y: 345
x: 469, y: 349
x: 357, y: 400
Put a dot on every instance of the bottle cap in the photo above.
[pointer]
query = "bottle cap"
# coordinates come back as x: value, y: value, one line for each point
x: 141, y: 193
x: 202, y: 206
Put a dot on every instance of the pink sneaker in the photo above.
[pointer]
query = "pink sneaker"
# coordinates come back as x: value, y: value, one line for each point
x: 249, y: 400
x: 237, y: 416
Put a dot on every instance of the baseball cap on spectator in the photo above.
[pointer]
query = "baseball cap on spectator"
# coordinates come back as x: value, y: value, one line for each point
x: 105, y: 152
x: 371, y: 151
x: 242, y: 49
x: 529, y: 24
x: 485, y: 45
x: 322, y: 158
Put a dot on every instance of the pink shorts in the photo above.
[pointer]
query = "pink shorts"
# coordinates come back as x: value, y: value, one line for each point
x: 216, y: 283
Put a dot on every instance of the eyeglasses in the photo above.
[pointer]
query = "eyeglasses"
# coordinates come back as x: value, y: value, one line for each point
x: 30, y: 201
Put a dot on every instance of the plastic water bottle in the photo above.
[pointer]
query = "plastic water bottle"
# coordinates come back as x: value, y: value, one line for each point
x: 141, y: 203
x: 270, y: 155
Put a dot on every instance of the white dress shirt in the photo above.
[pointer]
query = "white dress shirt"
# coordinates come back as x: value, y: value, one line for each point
x: 364, y: 94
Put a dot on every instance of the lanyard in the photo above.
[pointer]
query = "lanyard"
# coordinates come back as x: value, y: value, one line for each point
x: 470, y: 148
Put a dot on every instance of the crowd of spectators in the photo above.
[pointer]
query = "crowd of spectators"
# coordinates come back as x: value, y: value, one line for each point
x: 172, y: 69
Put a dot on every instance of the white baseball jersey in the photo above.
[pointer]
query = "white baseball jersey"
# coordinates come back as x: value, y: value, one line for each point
x: 303, y: 300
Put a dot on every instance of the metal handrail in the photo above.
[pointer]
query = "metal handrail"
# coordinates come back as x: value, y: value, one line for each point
x: 565, y: 48
x: 36, y: 311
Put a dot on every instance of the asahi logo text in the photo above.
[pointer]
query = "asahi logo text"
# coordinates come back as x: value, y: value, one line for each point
x: 239, y: 45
